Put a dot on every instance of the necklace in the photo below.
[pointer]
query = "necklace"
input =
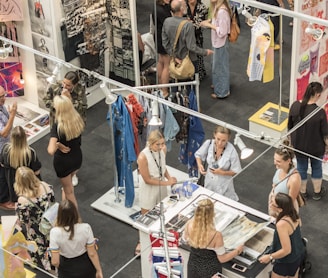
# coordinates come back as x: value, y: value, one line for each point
x: 158, y: 163
x: 217, y: 158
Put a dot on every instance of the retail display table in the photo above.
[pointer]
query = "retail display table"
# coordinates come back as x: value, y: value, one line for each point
x: 238, y: 223
x: 269, y: 121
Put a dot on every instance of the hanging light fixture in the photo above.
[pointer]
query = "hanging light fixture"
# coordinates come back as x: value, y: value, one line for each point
x: 245, y: 152
x: 155, y: 120
x: 5, y: 49
x: 251, y: 19
x: 316, y: 33
x: 110, y: 97
x: 53, y: 78
x: 21, y: 79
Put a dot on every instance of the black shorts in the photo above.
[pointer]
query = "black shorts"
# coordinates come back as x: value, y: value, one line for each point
x: 286, y: 269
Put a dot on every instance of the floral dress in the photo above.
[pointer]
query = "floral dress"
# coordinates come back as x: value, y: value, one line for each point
x: 200, y: 13
x: 29, y: 217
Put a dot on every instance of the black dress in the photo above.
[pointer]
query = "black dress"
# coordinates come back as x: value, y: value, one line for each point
x: 203, y: 263
x: 67, y: 163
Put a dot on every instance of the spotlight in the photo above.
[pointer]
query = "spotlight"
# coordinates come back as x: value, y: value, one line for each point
x: 110, y: 97
x: 21, y: 79
x: 53, y: 78
x: 251, y: 19
x: 245, y: 152
x: 5, y: 49
x: 316, y: 33
x: 155, y: 120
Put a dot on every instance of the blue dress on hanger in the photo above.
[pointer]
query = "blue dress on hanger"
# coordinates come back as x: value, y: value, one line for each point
x: 124, y: 151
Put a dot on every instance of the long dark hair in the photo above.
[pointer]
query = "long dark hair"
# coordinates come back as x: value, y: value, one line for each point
x: 72, y: 76
x: 311, y: 90
x: 67, y: 216
x: 285, y: 203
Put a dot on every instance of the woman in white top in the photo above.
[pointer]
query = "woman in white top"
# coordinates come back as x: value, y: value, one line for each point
x: 72, y: 245
x: 223, y: 163
x: 154, y: 176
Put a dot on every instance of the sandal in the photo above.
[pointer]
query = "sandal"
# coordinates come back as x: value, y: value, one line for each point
x: 137, y: 250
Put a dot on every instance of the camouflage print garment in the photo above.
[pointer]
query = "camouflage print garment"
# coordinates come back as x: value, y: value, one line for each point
x: 78, y: 96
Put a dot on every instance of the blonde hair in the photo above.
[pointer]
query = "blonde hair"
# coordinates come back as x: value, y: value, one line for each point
x: 154, y: 136
x: 69, y: 122
x: 202, y: 224
x: 215, y: 7
x: 20, y: 153
x: 26, y: 182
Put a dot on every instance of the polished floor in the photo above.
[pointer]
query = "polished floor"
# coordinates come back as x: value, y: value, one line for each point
x: 117, y: 240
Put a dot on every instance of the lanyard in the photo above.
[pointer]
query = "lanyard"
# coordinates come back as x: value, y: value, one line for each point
x: 158, y: 163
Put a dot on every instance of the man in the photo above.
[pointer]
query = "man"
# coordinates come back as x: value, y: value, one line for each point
x: 187, y: 40
x: 6, y: 123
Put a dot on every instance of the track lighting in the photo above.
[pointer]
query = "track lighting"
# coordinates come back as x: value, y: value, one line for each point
x: 5, y: 49
x: 316, y: 33
x: 245, y: 152
x: 155, y: 120
x: 21, y: 79
x: 53, y: 78
x: 251, y: 19
x: 110, y: 97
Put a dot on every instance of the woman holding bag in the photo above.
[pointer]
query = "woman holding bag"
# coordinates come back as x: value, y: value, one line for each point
x: 223, y: 163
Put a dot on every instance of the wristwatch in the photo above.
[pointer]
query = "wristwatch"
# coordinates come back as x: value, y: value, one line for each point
x: 271, y: 258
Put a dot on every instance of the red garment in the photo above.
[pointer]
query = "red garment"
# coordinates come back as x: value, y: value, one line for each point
x: 135, y: 109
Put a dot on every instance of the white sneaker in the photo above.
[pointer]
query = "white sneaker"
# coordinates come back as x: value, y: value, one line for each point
x: 75, y: 180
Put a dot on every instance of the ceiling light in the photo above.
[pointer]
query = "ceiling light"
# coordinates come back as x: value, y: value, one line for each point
x: 155, y: 120
x: 110, y: 97
x: 245, y: 152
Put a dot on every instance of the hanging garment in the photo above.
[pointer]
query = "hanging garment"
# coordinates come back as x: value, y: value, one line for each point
x: 135, y: 109
x: 171, y: 128
x: 196, y: 137
x: 302, y: 84
x: 268, y: 73
x: 124, y: 151
x: 259, y: 45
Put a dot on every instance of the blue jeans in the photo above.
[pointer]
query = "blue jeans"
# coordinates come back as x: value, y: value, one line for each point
x: 221, y: 70
x: 316, y: 166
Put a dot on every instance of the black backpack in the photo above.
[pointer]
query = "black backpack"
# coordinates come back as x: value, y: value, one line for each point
x: 306, y: 265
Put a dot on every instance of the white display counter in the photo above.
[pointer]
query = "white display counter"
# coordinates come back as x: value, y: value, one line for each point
x: 174, y: 210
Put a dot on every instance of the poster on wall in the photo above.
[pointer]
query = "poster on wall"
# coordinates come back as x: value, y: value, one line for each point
x: 41, y: 17
x: 10, y: 79
x: 11, y: 10
x: 44, y: 45
x: 312, y: 51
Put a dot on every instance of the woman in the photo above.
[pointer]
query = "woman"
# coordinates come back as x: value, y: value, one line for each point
x: 207, y: 246
x: 75, y: 91
x: 287, y: 247
x: 72, y: 245
x: 65, y: 144
x: 154, y: 176
x: 286, y: 179
x: 310, y: 138
x: 223, y: 163
x: 198, y: 12
x: 220, y: 25
x: 34, y: 198
x: 162, y: 12
x: 18, y: 153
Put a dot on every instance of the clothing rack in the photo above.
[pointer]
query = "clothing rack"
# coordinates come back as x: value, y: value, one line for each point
x: 170, y: 85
